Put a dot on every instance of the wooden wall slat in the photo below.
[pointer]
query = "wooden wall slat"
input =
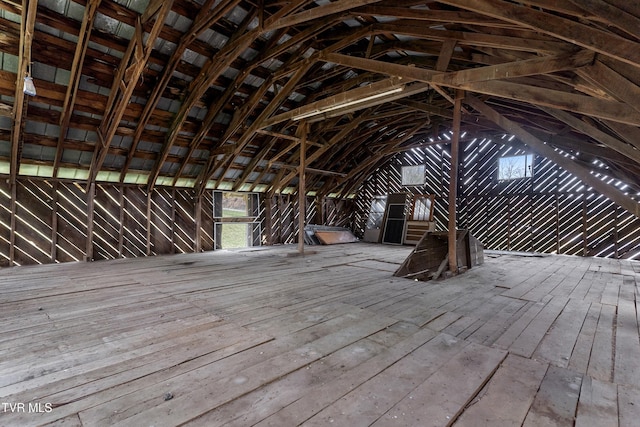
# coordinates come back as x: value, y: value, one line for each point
x: 135, y: 232
x: 106, y: 221
x: 544, y: 230
x: 550, y: 212
x: 601, y: 226
x: 72, y: 220
x: 161, y: 222
x: 5, y: 222
x: 185, y: 227
x: 33, y: 223
x: 206, y: 227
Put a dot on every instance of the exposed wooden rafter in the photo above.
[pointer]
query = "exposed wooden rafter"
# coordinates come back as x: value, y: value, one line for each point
x: 75, y: 73
x: 203, y: 21
x: 565, y: 29
x: 210, y: 94
x: 126, y: 79
x: 28, y: 20
x: 610, y: 191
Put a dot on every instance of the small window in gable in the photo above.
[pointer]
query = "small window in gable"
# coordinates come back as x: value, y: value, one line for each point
x: 515, y: 167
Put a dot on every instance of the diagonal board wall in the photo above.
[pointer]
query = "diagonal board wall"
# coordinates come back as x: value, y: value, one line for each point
x: 50, y: 223
x: 552, y: 212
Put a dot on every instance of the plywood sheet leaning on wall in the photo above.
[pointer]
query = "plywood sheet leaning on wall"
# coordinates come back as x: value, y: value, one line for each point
x: 335, y: 237
x: 429, y: 258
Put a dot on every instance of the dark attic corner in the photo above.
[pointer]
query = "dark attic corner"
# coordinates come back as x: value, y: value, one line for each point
x: 317, y: 212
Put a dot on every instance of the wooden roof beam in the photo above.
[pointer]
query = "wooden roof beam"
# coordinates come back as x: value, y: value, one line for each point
x: 27, y: 25
x: 582, y: 104
x: 256, y: 96
x: 430, y: 15
x: 298, y: 72
x: 205, y: 18
x: 418, y: 29
x: 346, y: 151
x: 248, y: 134
x: 211, y: 71
x: 595, y: 133
x: 90, y: 10
x: 612, y: 15
x: 609, y: 191
x: 318, y: 12
x: 365, y: 166
x: 353, y: 124
x: 571, y: 31
x: 613, y: 83
x: 129, y: 72
x: 257, y: 158
x: 351, y: 99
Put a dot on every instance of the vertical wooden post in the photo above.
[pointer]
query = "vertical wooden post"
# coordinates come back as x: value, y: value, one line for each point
x: 585, y: 245
x: 149, y: 222
x: 198, y: 216
x: 268, y: 213
x: 302, y: 197
x: 453, y: 182
x: 91, y: 194
x: 616, y: 236
x: 54, y: 222
x: 121, y: 230
x: 557, y: 224
x: 173, y: 220
x: 12, y: 236
x: 508, y: 222
x: 320, y: 209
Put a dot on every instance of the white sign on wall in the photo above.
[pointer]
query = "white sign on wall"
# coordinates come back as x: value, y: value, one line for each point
x: 413, y: 175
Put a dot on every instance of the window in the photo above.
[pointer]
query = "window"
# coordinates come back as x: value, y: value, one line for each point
x: 515, y: 167
x: 236, y: 220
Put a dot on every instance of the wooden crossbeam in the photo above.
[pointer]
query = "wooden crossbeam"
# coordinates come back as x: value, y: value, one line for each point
x: 244, y: 139
x: 285, y: 136
x: 572, y: 31
x: 595, y: 133
x: 613, y: 83
x: 582, y: 104
x: 309, y: 170
x: 522, y: 68
x: 353, y: 124
x: 431, y: 15
x: 353, y: 97
x: 614, y: 16
x: 418, y: 29
x: 609, y: 191
x: 510, y: 70
x: 318, y: 12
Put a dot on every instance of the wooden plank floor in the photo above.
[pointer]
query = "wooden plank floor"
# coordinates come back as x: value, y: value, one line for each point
x: 259, y: 337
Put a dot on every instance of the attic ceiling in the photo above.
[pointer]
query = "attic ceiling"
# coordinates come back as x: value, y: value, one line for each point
x: 207, y: 94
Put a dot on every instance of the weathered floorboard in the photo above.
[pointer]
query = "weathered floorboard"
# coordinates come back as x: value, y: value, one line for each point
x: 261, y: 338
